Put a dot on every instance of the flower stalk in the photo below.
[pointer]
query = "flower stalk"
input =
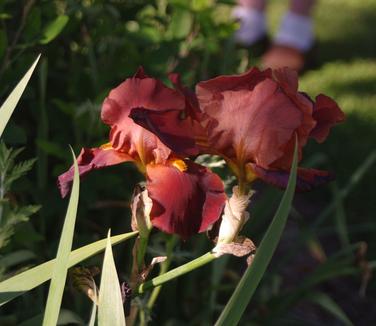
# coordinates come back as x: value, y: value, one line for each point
x: 163, y: 270
x: 176, y: 272
x: 164, y: 266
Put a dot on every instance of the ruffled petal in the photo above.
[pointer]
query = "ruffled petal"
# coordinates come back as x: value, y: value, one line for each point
x: 192, y: 108
x: 253, y: 117
x: 187, y: 198
x: 307, y: 179
x: 247, y: 80
x: 288, y: 81
x: 91, y: 159
x: 140, y: 91
x: 327, y: 113
x: 183, y: 136
x: 179, y: 130
x: 252, y: 126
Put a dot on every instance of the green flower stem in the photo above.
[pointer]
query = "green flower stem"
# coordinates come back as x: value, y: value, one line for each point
x: 164, y: 268
x: 176, y: 272
x: 139, y: 251
x: 143, y: 244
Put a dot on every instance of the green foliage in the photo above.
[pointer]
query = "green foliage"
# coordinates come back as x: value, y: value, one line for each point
x: 104, y: 42
x: 54, y: 29
x: 28, y: 280
x: 10, y: 103
x: 10, y: 213
x: 60, y: 269
x: 247, y: 285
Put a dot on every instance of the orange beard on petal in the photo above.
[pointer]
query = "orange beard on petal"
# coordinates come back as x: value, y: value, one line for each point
x: 179, y: 164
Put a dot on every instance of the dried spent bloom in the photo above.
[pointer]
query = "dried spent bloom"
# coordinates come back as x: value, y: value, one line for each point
x: 186, y: 198
x: 251, y: 121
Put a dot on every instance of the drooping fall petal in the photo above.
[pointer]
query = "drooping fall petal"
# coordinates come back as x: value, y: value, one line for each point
x: 307, y: 179
x: 187, y: 198
x: 91, y: 159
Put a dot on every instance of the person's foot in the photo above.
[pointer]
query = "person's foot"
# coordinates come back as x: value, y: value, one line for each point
x: 293, y: 45
x: 280, y: 56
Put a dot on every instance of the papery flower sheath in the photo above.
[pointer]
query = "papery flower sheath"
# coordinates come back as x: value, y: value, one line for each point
x: 251, y: 121
x: 187, y: 198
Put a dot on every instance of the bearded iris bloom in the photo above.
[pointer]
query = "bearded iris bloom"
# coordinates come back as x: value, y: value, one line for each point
x: 251, y: 121
x: 187, y: 197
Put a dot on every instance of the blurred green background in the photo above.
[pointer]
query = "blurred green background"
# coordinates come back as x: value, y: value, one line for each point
x: 322, y: 271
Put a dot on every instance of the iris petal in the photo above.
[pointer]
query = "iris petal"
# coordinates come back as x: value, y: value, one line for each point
x: 307, y: 179
x: 185, y: 201
x: 327, y: 113
x: 91, y: 159
x: 140, y: 91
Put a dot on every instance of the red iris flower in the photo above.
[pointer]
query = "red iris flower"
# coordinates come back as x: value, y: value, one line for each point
x: 187, y: 198
x: 251, y: 121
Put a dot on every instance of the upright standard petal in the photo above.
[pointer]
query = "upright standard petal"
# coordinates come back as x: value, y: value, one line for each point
x: 253, y: 126
x: 187, y: 198
x: 247, y: 80
x: 144, y: 92
x: 183, y: 135
x: 178, y: 129
x: 91, y: 159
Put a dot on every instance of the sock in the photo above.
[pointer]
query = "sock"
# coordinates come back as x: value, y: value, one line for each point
x: 252, y: 25
x: 295, y: 31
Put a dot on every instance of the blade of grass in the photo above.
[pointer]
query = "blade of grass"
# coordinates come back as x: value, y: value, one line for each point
x: 110, y: 303
x: 355, y: 178
x: 340, y: 217
x: 10, y: 103
x: 60, y: 270
x: 252, y: 276
x: 28, y: 280
x: 328, y: 304
x: 342, y: 194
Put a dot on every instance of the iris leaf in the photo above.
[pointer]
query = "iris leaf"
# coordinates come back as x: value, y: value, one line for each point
x: 60, y: 269
x: 28, y: 280
x: 328, y: 304
x: 110, y: 303
x: 10, y: 103
x: 254, y: 273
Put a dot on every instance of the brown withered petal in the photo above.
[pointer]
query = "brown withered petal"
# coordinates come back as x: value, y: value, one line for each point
x: 234, y: 216
x: 141, y: 206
